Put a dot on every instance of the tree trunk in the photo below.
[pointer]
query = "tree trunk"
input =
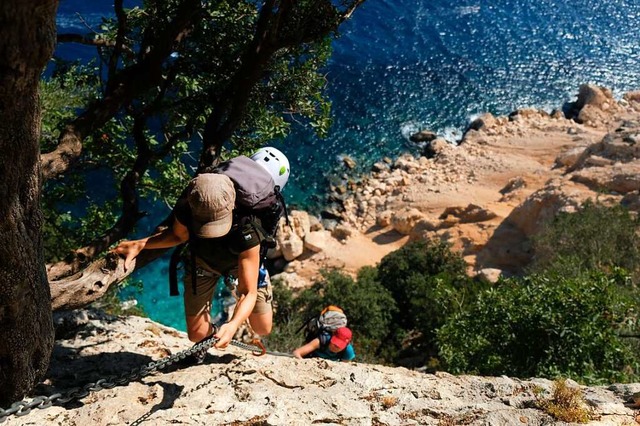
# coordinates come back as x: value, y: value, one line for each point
x: 27, y: 37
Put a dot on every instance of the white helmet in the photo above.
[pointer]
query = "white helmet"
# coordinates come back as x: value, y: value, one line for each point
x: 275, y: 162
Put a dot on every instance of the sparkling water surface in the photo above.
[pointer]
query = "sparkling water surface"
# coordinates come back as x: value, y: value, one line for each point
x: 405, y: 65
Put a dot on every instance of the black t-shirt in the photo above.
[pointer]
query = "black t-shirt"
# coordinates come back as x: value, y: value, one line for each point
x: 219, y: 253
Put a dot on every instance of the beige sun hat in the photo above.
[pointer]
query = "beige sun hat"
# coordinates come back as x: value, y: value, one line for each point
x: 211, y: 198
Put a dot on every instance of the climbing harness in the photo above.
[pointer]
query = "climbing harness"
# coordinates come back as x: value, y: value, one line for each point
x: 22, y: 408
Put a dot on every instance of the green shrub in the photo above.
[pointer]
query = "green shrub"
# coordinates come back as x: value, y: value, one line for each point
x: 286, y: 320
x: 284, y: 337
x: 544, y: 326
x: 596, y: 237
x: 428, y: 282
x: 283, y: 310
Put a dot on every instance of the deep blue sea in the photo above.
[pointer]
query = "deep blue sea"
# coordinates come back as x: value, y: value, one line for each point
x: 405, y: 65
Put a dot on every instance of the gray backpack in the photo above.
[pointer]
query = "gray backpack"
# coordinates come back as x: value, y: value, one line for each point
x: 258, y: 202
x: 323, y: 325
x: 255, y: 189
x: 258, y: 199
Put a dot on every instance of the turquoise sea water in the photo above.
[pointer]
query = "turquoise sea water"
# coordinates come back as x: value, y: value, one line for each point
x: 406, y: 65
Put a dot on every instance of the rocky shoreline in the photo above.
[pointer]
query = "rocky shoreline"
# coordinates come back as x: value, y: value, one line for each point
x: 486, y: 196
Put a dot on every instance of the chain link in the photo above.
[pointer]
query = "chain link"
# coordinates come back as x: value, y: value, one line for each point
x: 22, y: 408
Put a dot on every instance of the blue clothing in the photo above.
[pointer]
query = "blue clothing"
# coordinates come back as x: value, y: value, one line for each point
x: 348, y: 354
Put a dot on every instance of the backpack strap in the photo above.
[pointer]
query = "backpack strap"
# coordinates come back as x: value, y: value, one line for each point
x: 176, y: 257
x: 280, y: 199
x: 304, y: 324
x: 266, y: 240
x: 325, y: 337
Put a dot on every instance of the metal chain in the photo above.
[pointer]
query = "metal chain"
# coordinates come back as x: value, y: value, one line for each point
x: 22, y: 408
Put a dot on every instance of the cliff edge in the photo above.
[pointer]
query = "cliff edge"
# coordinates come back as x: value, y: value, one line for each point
x: 234, y: 387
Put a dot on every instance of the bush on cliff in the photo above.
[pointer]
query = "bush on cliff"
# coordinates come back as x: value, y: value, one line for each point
x: 545, y: 326
x: 597, y: 237
x: 428, y: 283
x: 284, y: 336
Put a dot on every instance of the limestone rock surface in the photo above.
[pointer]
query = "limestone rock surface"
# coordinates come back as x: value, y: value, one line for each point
x: 234, y: 387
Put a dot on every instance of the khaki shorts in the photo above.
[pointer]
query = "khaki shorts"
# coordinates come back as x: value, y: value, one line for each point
x: 195, y: 304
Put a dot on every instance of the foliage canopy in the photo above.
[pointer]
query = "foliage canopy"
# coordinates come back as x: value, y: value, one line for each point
x: 596, y: 237
x: 174, y: 86
x: 428, y: 281
x: 544, y: 326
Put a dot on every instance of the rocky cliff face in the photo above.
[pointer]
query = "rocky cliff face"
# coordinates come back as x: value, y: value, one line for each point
x: 486, y: 196
x: 236, y: 388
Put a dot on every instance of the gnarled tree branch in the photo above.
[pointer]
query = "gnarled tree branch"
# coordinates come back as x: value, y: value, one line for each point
x: 92, y: 283
x: 127, y: 84
x: 83, y: 39
x: 280, y: 26
x: 131, y: 214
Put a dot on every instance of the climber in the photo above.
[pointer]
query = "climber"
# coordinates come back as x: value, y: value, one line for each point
x: 335, y: 347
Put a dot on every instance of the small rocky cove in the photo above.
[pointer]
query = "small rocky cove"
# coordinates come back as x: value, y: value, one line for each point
x: 485, y: 196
